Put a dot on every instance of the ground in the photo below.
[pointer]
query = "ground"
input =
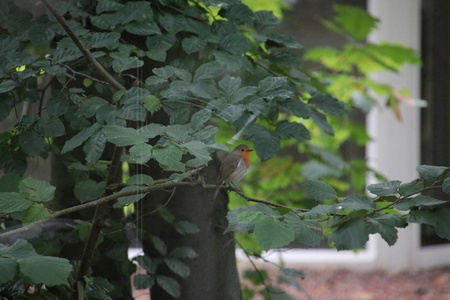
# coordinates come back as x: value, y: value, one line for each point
x: 324, y: 284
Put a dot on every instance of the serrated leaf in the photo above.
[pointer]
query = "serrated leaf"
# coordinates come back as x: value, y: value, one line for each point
x: 50, y: 127
x: 199, y: 118
x: 32, y: 142
x: 281, y: 40
x: 193, y: 44
x: 308, y: 232
x: 186, y: 227
x: 179, y: 268
x: 7, y: 86
x: 47, y: 270
x: 385, y: 226
x: 89, y: 190
x: 353, y: 234
x: 57, y: 105
x: 328, y: 104
x: 177, y: 132
x: 124, y: 136
x: 36, y: 190
x: 140, y: 153
x: 318, y: 190
x: 236, y: 223
x: 109, y: 40
x: 293, y: 130
x: 143, y: 28
x: 384, y: 188
x: 296, y: 108
x: 80, y: 137
x: 19, y: 249
x: 152, y: 104
x: 94, y: 147
x: 235, y: 43
x: 357, y: 202
x: 167, y: 155
x: 13, y: 202
x: 121, y: 64
x: 410, y: 188
x: 35, y: 213
x: 431, y: 173
x: 208, y: 71
x: 237, y: 13
x: 169, y: 284
x: 265, y: 20
x: 272, y: 233
x: 266, y: 143
x: 418, y: 201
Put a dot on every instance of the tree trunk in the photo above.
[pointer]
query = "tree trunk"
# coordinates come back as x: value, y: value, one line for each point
x: 213, y: 274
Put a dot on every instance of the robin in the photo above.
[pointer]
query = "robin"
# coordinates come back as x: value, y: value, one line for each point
x: 234, y: 166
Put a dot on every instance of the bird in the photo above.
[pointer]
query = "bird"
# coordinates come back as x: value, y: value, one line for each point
x: 233, y: 167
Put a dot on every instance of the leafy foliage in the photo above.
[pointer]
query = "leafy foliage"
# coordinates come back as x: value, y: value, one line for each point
x: 162, y: 82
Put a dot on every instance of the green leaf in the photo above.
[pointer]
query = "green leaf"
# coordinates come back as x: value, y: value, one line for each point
x: 169, y: 284
x: 384, y: 188
x: 13, y: 202
x: 353, y: 234
x: 410, y: 188
x: 431, y: 173
x: 235, y: 43
x: 281, y: 40
x: 121, y: 64
x: 146, y: 263
x: 7, y: 86
x: 122, y: 201
x: 124, y: 136
x: 193, y: 44
x: 328, y: 104
x: 385, y: 226
x: 179, y: 268
x: 443, y: 225
x: 199, y: 118
x: 152, y: 104
x: 166, y: 215
x: 36, y: 190
x: 89, y: 190
x: 272, y: 233
x: 140, y: 179
x: 418, y: 201
x: 237, y: 13
x: 308, y: 232
x: 143, y: 281
x: 265, y: 20
x: 140, y: 153
x: 208, y: 71
x: 94, y: 147
x: 80, y: 137
x: 356, y: 21
x: 50, y: 127
x: 168, y: 155
x: 32, y: 142
x: 293, y: 130
x: 296, y: 108
x: 321, y: 121
x: 9, y: 269
x: 177, y: 132
x: 10, y: 183
x: 446, y: 185
x: 186, y: 227
x: 57, y: 105
x: 266, y: 143
x: 34, y: 213
x: 20, y: 249
x: 318, y: 190
x: 103, y: 39
x: 47, y: 270
x: 183, y: 252
x: 250, y: 214
x: 173, y: 23
x: 159, y: 245
x: 143, y: 28
x: 256, y: 277
x: 107, y: 5
x: 357, y: 202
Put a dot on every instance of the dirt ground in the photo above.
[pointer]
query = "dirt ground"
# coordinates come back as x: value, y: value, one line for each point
x: 428, y: 284
x: 323, y: 284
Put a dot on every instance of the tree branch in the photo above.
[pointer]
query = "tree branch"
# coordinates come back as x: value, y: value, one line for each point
x: 83, y: 48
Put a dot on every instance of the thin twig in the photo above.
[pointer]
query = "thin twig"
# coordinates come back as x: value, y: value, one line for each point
x: 84, y: 75
x: 83, y: 48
